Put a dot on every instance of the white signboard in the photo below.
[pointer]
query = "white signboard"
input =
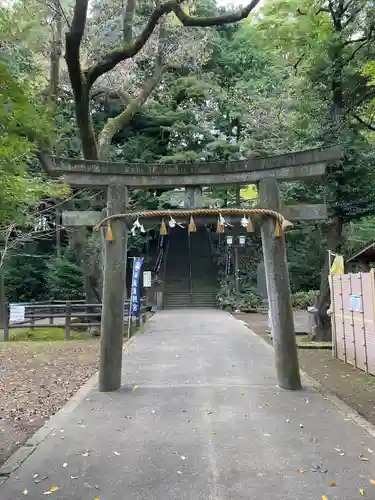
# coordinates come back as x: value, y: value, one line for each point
x: 355, y: 303
x: 147, y: 279
x: 16, y: 313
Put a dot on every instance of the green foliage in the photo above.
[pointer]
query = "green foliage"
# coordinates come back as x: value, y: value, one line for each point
x: 306, y: 251
x: 303, y: 300
x: 25, y: 273
x: 23, y: 120
x: 64, y: 279
x: 247, y: 300
x: 360, y: 232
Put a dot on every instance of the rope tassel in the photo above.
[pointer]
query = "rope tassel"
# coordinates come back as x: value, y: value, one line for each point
x: 278, y: 229
x: 192, y: 226
x: 163, y: 228
x: 220, y: 226
x: 109, y: 235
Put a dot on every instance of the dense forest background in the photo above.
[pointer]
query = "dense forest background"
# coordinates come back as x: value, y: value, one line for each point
x: 292, y: 75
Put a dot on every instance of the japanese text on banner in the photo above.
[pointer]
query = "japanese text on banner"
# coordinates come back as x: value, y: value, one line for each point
x: 136, y: 288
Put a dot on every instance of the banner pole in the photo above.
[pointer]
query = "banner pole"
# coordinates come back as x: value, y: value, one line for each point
x: 131, y: 302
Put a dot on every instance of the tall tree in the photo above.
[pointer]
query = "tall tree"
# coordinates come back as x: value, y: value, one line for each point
x: 82, y: 79
x: 326, y: 44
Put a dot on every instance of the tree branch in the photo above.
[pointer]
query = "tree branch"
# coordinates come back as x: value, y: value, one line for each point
x: 115, y: 57
x: 114, y: 125
x: 297, y: 63
x: 335, y: 19
x: 365, y: 124
x: 128, y: 21
x: 322, y: 9
x: 355, y: 51
x: 73, y: 39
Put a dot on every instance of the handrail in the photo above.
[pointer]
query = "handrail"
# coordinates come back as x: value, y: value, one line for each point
x: 190, y: 274
x: 210, y: 242
x: 164, y: 272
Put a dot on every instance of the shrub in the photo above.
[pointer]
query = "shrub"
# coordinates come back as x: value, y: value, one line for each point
x: 303, y: 300
x: 245, y: 301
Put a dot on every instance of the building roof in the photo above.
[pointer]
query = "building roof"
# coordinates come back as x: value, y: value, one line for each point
x: 366, y: 253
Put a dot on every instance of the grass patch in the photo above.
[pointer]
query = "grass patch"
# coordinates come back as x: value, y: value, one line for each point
x: 303, y: 342
x: 42, y: 334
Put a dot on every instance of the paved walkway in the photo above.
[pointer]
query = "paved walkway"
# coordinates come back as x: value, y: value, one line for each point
x: 199, y: 417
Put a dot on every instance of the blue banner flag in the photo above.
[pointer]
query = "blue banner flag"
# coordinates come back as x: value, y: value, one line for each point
x: 136, y: 287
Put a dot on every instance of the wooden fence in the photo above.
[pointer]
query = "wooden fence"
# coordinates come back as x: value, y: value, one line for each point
x: 66, y: 314
x: 353, y: 307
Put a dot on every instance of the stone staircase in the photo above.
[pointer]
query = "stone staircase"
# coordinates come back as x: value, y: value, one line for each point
x: 190, y: 280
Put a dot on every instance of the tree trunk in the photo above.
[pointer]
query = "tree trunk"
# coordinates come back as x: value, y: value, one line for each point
x: 323, y: 327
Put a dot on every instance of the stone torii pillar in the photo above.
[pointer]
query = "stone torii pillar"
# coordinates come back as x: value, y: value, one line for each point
x: 278, y: 290
x: 193, y: 197
x: 112, y: 328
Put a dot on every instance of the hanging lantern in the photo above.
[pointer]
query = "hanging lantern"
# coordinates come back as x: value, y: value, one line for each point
x: 242, y: 240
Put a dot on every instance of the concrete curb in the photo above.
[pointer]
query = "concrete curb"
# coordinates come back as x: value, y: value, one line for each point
x: 347, y: 410
x: 22, y: 453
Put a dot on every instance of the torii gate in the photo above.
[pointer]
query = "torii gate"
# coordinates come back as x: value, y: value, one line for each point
x: 266, y: 171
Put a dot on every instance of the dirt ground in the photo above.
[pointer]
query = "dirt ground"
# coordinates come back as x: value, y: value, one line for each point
x: 348, y: 383
x: 36, y: 379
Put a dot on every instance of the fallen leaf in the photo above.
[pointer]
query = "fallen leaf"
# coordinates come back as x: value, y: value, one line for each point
x: 301, y: 471
x: 372, y: 481
x: 324, y: 497
x: 267, y: 435
x: 179, y: 472
x: 301, y: 425
x: 370, y: 451
x: 318, y: 468
x: 73, y: 477
x: 212, y: 433
x: 364, y: 459
x: 51, y: 490
x: 96, y: 498
x: 135, y: 388
x: 40, y: 479
x: 362, y: 492
x: 182, y: 457
x: 35, y: 476
x: 65, y: 464
x: 287, y: 420
x: 25, y: 492
x: 86, y: 454
x: 116, y: 453
x: 242, y: 393
x: 332, y: 483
